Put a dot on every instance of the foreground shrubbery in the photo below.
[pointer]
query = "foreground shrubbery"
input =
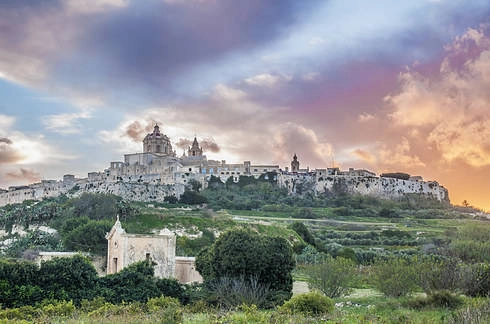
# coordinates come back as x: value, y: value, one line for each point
x: 313, y: 303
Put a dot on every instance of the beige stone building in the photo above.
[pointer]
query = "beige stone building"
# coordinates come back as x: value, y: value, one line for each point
x: 124, y: 249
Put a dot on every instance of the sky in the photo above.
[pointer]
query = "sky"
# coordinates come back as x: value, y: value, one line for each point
x: 388, y: 86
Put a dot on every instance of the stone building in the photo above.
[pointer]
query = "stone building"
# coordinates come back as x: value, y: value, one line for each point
x: 124, y: 249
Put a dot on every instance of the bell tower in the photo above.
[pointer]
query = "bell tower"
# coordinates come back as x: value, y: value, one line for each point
x: 295, y: 164
x: 194, y: 150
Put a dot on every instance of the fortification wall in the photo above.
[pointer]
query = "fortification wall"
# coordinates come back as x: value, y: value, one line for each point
x: 146, y: 192
x: 389, y: 188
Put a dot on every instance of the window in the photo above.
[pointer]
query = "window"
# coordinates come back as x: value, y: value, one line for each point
x: 148, y: 258
x: 114, y: 265
x: 190, y: 169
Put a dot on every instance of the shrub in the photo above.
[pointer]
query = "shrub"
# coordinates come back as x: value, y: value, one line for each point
x: 245, y: 254
x: 475, y: 279
x: 333, y: 277
x: 58, y: 309
x: 395, y: 276
x: 27, y: 313
x: 312, y: 303
x: 476, y: 313
x: 444, y: 299
x: 437, y: 299
x: 438, y: 274
x: 168, y: 309
x: 231, y: 292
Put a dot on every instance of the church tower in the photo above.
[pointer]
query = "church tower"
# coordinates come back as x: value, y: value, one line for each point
x: 295, y: 164
x: 157, y: 143
x: 195, y: 150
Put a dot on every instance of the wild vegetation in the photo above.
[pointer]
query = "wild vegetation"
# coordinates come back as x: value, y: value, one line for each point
x: 377, y: 261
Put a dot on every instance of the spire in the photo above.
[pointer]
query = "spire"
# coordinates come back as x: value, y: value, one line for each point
x: 156, y: 129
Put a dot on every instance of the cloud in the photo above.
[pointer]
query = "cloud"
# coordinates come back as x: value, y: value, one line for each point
x: 5, y: 140
x: 364, y: 155
x: 399, y: 157
x: 450, y: 109
x: 289, y: 138
x: 266, y: 80
x: 6, y: 122
x: 66, y: 123
x: 10, y: 155
x: 24, y: 175
x: 365, y: 117
x: 136, y: 131
x: 208, y: 144
x: 93, y: 6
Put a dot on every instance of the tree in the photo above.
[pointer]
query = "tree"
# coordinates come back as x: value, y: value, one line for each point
x: 241, y: 253
x: 88, y: 237
x: 303, y: 232
x: 194, y: 185
x: 72, y: 278
x: 192, y: 198
x: 133, y: 283
x: 333, y: 277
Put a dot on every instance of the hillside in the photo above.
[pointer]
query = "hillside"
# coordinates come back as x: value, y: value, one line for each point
x: 365, y: 230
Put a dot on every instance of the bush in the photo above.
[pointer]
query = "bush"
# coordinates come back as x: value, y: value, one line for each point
x: 476, y: 313
x: 437, y: 299
x: 395, y: 276
x: 168, y: 309
x: 26, y: 313
x: 245, y: 254
x: 312, y: 303
x: 333, y: 277
x: 231, y: 292
x: 444, y: 299
x: 58, y: 309
x: 475, y: 280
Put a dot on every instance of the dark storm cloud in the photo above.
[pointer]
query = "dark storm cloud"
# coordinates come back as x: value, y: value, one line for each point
x: 151, y: 41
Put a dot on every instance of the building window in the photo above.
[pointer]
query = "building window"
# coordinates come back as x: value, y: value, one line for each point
x: 190, y: 169
x: 114, y: 265
x: 158, y: 149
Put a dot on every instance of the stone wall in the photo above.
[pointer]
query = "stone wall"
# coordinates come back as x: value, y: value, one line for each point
x: 381, y: 187
x: 138, y: 191
x: 185, y: 270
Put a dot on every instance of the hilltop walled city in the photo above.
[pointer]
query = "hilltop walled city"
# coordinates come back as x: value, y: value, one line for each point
x: 157, y: 172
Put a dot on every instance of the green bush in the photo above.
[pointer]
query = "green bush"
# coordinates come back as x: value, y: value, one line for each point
x: 246, y: 254
x: 475, y: 279
x: 58, y: 309
x: 395, y: 276
x: 444, y: 299
x: 333, y: 277
x: 168, y: 309
x: 312, y: 303
x: 27, y: 313
x: 437, y: 299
